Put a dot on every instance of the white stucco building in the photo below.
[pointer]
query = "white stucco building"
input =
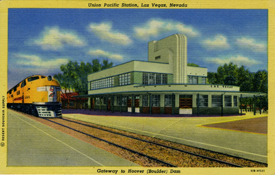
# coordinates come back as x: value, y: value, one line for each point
x: 163, y: 84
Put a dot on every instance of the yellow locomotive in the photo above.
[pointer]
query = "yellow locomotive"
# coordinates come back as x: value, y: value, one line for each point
x: 36, y: 95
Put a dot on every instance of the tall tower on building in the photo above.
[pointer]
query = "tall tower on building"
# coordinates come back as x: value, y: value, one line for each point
x: 172, y: 50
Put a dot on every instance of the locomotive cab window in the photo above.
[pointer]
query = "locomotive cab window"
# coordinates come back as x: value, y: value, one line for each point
x: 50, y: 78
x: 23, y: 83
x: 43, y: 76
x: 33, y: 78
x: 15, y: 88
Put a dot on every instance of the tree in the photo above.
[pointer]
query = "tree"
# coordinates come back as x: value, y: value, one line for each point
x: 230, y: 80
x: 192, y: 64
x: 96, y: 66
x: 70, y: 74
x: 106, y: 64
x: 62, y: 81
x: 244, y: 79
x: 227, y: 70
x: 82, y: 71
x: 212, y: 77
x: 74, y: 75
x: 230, y: 74
x: 260, y: 81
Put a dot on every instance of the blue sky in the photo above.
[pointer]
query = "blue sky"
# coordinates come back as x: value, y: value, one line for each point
x: 40, y: 40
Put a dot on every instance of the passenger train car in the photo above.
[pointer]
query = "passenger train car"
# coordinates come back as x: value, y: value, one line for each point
x: 36, y: 95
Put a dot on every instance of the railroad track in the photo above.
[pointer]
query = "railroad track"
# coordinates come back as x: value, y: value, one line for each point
x: 114, y: 144
x: 110, y: 137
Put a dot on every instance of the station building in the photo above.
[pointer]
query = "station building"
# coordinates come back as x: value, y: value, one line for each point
x: 164, y: 84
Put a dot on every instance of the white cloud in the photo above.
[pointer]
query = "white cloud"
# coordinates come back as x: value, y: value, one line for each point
x: 155, y: 27
x: 104, y: 32
x: 219, y: 42
x: 24, y: 65
x: 105, y: 54
x: 37, y: 63
x: 251, y: 44
x: 238, y: 60
x: 55, y: 39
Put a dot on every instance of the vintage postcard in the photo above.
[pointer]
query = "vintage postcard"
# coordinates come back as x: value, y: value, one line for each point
x: 138, y: 87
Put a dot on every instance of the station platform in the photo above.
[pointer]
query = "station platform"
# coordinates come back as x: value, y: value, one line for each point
x: 193, y: 131
x: 31, y: 143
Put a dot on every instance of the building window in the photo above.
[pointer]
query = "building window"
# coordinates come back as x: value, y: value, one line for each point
x: 203, y: 100
x: 155, y: 100
x: 235, y: 101
x: 121, y: 79
x: 124, y: 101
x: 168, y: 101
x: 145, y: 101
x: 153, y: 78
x: 157, y: 57
x: 97, y: 100
x: 195, y: 80
x: 121, y: 100
x: 203, y: 80
x: 164, y: 78
x: 110, y: 82
x: 192, y: 79
x: 158, y: 79
x: 103, y: 101
x: 216, y: 100
x: 145, y: 78
x: 124, y: 79
x: 128, y: 78
x: 118, y: 100
x: 227, y: 101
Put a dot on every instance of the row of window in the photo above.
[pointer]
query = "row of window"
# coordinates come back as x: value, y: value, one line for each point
x: 156, y: 100
x: 217, y: 101
x: 103, y: 83
x: 147, y: 78
x: 124, y: 79
x: 168, y: 101
x: 194, y: 80
x: 122, y: 101
x: 203, y: 101
x: 154, y: 78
